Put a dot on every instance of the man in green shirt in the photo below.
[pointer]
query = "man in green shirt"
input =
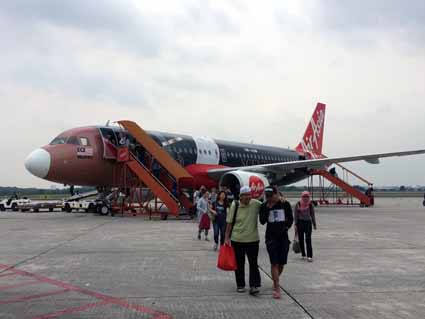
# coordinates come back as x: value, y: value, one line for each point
x: 242, y: 234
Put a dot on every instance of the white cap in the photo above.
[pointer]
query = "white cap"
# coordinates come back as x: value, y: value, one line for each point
x: 245, y: 190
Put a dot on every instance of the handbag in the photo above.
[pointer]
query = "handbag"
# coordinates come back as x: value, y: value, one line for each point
x: 226, y: 256
x: 211, y: 215
x: 296, y: 246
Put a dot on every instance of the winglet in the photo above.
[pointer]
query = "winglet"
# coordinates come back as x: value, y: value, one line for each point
x: 311, y: 144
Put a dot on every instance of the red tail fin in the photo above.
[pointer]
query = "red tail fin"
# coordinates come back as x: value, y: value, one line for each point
x: 311, y: 144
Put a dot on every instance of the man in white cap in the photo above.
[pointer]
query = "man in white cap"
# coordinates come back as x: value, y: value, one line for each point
x: 242, y: 234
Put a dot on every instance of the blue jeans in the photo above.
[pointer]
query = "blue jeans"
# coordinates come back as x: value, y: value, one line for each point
x: 219, y: 229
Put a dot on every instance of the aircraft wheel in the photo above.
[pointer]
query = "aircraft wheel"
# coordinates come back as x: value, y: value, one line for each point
x: 14, y: 207
x: 164, y: 216
x: 50, y: 209
x: 35, y: 210
x: 2, y: 208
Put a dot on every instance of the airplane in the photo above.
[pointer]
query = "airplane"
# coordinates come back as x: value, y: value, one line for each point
x: 87, y: 156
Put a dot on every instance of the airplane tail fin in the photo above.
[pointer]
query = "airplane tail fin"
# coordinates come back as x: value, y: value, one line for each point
x: 311, y: 144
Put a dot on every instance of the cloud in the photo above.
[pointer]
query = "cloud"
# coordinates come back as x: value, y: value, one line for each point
x: 107, y: 23
x: 222, y: 68
x: 371, y: 22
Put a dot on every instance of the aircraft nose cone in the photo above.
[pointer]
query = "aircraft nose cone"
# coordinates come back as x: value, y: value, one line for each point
x: 38, y: 163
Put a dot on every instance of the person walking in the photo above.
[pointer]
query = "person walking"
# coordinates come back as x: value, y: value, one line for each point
x: 305, y: 220
x: 219, y: 211
x: 203, y: 207
x: 213, y: 195
x: 242, y: 234
x: 277, y: 213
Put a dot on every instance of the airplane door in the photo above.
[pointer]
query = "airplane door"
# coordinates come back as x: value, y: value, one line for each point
x: 207, y: 151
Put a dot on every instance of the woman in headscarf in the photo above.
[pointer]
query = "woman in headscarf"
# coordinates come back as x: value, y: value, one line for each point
x: 305, y: 220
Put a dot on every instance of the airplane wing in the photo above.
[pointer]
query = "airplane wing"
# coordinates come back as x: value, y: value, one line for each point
x: 321, y: 163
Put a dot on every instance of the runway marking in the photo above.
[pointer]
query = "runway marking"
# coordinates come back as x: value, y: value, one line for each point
x: 21, y: 284
x: 8, y: 274
x: 104, y: 299
x: 71, y: 310
x: 47, y: 294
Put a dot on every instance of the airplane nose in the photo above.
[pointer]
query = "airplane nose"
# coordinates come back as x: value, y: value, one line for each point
x: 38, y: 163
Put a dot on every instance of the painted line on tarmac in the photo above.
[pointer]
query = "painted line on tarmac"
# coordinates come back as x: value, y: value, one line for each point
x: 53, y: 248
x: 7, y: 275
x: 22, y: 284
x: 30, y: 297
x: 289, y: 294
x: 71, y: 310
x: 105, y: 299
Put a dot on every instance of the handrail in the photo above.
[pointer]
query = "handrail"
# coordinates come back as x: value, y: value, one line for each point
x: 155, y: 150
x: 354, y: 174
x: 155, y: 178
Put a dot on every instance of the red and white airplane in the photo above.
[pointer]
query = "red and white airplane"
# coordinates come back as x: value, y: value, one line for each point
x: 87, y: 156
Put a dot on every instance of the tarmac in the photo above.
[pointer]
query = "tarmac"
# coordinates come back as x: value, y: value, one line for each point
x: 368, y: 263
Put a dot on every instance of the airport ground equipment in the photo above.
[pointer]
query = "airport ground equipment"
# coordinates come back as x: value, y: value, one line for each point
x: 88, y: 206
x: 13, y: 203
x: 40, y: 205
x: 156, y: 170
x: 81, y: 196
x: 339, y: 191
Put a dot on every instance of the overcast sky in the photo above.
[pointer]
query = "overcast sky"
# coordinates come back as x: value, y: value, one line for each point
x: 238, y: 70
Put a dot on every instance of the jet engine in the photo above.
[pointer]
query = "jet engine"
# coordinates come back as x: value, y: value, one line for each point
x: 236, y: 179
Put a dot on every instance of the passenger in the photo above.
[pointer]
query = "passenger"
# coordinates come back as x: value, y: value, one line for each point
x: 219, y: 210
x: 213, y: 195
x: 229, y: 195
x: 304, y: 219
x: 242, y: 234
x: 198, y: 194
x: 203, y: 218
x: 156, y: 168
x: 277, y: 213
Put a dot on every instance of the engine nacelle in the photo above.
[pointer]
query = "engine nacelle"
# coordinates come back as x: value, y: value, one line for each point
x: 236, y: 179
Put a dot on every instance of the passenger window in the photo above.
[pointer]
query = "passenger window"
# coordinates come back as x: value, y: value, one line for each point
x: 84, y: 141
x: 209, y: 152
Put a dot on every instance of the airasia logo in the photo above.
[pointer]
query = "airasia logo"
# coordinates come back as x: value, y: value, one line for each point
x: 257, y: 186
x: 312, y: 141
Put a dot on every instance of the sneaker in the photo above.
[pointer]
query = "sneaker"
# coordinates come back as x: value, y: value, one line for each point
x: 276, y: 294
x: 303, y: 257
x: 253, y: 291
x: 215, y: 246
x: 241, y: 289
x: 309, y: 259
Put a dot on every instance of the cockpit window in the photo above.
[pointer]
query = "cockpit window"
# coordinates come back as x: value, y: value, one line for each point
x: 73, y: 140
x: 59, y: 140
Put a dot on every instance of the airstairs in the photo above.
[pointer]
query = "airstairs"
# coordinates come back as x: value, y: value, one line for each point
x: 339, y: 190
x: 156, y: 170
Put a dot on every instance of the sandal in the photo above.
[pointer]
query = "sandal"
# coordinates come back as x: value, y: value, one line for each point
x: 276, y: 294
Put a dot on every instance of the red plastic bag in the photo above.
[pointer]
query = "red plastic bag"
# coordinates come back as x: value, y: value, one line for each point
x: 226, y: 258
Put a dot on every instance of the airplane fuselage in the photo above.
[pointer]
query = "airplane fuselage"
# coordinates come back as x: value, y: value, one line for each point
x: 87, y: 156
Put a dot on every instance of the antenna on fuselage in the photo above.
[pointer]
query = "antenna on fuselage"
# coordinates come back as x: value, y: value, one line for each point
x: 107, y: 123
